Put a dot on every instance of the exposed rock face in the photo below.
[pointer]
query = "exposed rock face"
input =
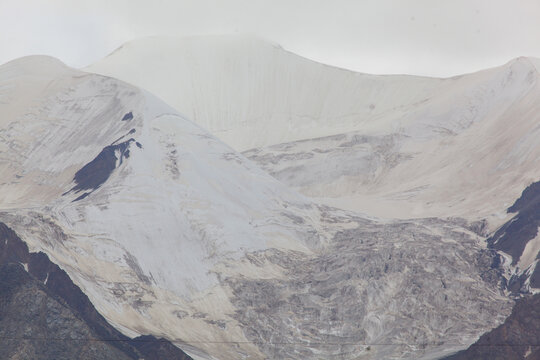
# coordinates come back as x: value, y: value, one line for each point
x: 369, y: 288
x: 517, y: 338
x: 43, y: 315
x: 96, y: 172
x: 157, y: 349
x: 519, y: 238
x: 513, y: 236
x: 36, y: 325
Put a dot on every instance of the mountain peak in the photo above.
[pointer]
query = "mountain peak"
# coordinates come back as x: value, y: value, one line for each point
x: 35, y: 63
x: 525, y: 62
x: 170, y: 44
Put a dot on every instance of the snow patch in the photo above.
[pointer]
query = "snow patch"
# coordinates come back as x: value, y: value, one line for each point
x: 529, y: 255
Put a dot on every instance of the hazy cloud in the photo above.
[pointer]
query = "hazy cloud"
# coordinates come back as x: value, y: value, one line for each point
x: 432, y: 37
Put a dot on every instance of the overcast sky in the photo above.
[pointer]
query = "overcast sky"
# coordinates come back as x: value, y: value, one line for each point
x: 424, y: 37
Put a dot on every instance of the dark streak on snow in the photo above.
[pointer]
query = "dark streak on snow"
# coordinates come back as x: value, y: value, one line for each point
x: 128, y: 116
x: 132, y: 262
x: 92, y: 175
x: 96, y: 172
x: 82, y: 196
x: 132, y: 131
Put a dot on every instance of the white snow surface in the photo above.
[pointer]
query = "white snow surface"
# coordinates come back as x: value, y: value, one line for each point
x: 252, y: 93
x: 530, y: 253
x: 464, y: 146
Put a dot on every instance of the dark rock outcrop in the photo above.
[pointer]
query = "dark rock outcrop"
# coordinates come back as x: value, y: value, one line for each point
x: 96, y: 172
x: 44, y: 315
x: 514, y: 235
x: 36, y: 325
x: 128, y: 116
x: 157, y: 349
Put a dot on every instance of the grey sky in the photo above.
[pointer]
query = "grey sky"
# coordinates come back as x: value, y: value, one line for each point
x: 425, y: 37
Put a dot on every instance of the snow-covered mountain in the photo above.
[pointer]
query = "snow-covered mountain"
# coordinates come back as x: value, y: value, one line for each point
x: 252, y: 93
x: 171, y: 232
x: 403, y: 146
x: 388, y: 146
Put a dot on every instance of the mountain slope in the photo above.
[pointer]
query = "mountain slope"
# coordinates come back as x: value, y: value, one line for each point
x: 251, y: 93
x: 170, y: 232
x: 428, y: 169
x: 516, y: 339
x: 399, y: 146
x: 518, y: 238
x: 24, y: 299
x: 43, y: 315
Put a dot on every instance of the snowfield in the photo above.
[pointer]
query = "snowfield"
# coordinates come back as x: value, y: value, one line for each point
x: 402, y: 146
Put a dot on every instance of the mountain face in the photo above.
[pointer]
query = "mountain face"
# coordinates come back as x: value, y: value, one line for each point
x: 517, y: 338
x: 399, y: 146
x: 37, y: 326
x: 251, y: 93
x: 173, y: 234
x: 43, y: 315
x: 519, y: 238
x: 388, y: 146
